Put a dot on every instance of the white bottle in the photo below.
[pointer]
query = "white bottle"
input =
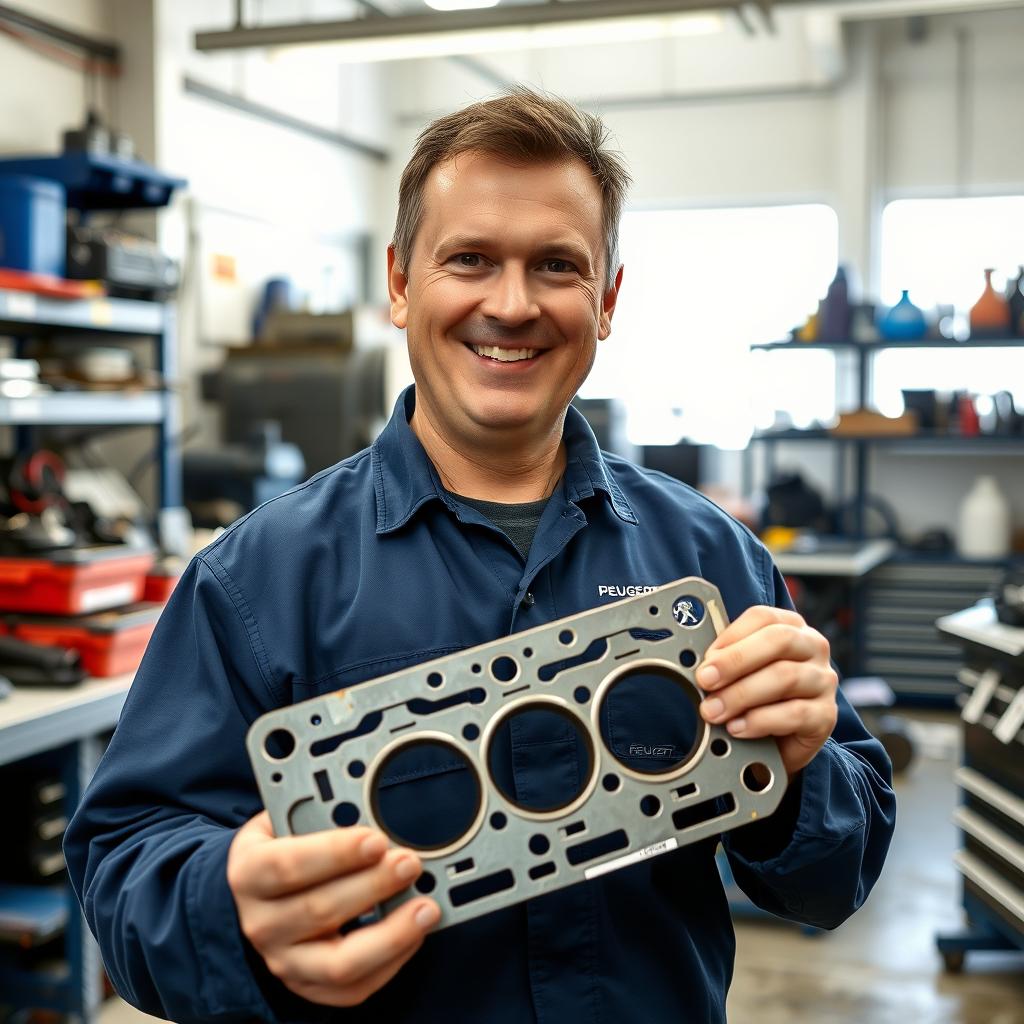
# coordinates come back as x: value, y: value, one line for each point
x: 984, y: 521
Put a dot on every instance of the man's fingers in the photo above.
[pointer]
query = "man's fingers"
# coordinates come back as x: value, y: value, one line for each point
x: 324, y: 908
x: 811, y: 719
x: 780, y: 681
x: 263, y: 866
x: 357, y: 964
x: 754, y: 618
x: 775, y: 641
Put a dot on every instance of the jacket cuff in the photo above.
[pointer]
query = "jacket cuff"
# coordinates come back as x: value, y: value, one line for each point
x: 235, y: 982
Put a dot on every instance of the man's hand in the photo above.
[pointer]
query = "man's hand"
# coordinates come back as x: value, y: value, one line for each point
x: 768, y: 674
x: 295, y: 892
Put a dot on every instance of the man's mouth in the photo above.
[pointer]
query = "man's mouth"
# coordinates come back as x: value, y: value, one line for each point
x: 504, y: 355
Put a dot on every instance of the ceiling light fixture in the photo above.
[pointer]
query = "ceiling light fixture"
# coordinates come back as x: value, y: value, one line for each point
x: 461, y: 5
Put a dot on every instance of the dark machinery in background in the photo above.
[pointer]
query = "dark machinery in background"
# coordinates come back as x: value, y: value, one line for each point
x: 324, y: 402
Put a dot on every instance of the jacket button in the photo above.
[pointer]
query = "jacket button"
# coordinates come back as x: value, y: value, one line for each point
x: 529, y: 600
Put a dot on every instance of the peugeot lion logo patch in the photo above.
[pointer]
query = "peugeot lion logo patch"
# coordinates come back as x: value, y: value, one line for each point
x: 688, y: 611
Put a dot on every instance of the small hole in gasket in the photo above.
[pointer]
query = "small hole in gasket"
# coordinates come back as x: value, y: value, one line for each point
x: 527, y: 652
x: 653, y: 609
x: 279, y: 744
x: 566, y: 637
x: 470, y: 731
x: 650, y: 805
x: 504, y: 668
x: 475, y: 669
x: 435, y: 679
x: 315, y: 720
x: 611, y: 782
x: 276, y: 777
x: 757, y: 777
x: 539, y: 844
x: 719, y: 747
x: 542, y: 870
x: 498, y: 821
x: 425, y: 883
x: 687, y: 659
x: 581, y: 694
x: 574, y: 829
x: 356, y: 769
x: 345, y: 814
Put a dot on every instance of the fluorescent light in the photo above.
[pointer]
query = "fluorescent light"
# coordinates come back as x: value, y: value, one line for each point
x: 460, y: 5
x: 497, y: 40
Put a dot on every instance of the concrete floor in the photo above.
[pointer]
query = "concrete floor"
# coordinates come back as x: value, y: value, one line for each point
x: 881, y: 966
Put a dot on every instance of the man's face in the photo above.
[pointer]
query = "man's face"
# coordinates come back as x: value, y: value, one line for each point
x: 504, y: 298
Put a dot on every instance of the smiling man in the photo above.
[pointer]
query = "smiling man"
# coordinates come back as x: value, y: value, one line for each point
x: 484, y: 508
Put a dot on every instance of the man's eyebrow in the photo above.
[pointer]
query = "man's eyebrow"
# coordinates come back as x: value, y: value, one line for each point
x: 563, y: 248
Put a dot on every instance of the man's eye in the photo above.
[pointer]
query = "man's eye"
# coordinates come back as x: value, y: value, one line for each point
x: 468, y: 259
x: 558, y: 266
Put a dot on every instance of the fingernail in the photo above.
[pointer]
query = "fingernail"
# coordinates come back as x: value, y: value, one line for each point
x: 712, y: 708
x: 737, y: 725
x: 708, y: 675
x: 406, y: 868
x: 427, y: 916
x: 372, y: 847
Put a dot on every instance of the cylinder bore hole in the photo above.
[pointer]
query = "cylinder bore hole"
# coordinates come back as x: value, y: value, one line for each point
x: 566, y: 637
x: 504, y: 668
x: 687, y: 659
x: 650, y: 805
x: 279, y: 744
x: 539, y: 845
x: 345, y: 814
x: 425, y: 794
x: 649, y: 719
x: 498, y: 821
x: 470, y: 732
x: 719, y: 747
x: 611, y: 782
x: 757, y: 777
x: 435, y: 679
x: 551, y: 741
x: 425, y: 883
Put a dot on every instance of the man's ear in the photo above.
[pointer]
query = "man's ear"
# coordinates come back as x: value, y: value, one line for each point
x: 398, y: 286
x: 608, y: 300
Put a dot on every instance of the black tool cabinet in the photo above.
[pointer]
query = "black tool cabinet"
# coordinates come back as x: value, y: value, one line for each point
x: 991, y: 784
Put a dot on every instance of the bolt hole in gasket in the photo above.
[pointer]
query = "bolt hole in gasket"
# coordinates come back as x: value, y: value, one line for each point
x: 645, y: 696
x: 425, y: 793
x: 279, y: 744
x: 505, y: 669
x: 540, y: 730
x: 757, y: 777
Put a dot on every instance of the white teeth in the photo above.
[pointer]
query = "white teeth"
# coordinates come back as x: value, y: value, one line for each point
x: 504, y: 355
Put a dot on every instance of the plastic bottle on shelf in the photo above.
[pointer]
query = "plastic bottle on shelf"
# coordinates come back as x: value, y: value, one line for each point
x: 984, y: 521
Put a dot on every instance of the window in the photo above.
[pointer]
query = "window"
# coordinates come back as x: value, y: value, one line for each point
x: 937, y: 250
x: 701, y: 286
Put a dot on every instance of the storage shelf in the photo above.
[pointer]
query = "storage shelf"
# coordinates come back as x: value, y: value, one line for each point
x: 20, y: 311
x: 76, y: 408
x: 875, y: 346
x: 920, y: 443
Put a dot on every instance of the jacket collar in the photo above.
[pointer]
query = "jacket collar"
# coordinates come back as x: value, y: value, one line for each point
x: 405, y: 479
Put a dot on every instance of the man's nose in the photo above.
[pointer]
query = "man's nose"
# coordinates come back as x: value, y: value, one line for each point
x: 510, y: 299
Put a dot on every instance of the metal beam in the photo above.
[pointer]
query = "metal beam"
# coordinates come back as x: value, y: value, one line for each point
x: 99, y: 48
x: 279, y: 117
x: 515, y: 16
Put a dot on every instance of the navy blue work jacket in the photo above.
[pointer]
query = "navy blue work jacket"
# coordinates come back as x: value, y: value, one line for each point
x: 372, y: 566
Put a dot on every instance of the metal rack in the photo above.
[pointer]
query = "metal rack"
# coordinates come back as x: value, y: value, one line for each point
x: 991, y: 784
x: 70, y: 722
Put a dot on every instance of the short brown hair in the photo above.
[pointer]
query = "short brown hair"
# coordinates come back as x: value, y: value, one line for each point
x: 521, y: 124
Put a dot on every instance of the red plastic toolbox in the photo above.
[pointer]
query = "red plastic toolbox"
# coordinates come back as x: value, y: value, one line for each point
x: 161, y: 581
x: 109, y: 643
x: 75, y: 581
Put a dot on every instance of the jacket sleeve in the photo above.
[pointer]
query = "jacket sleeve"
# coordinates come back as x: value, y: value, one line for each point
x: 147, y: 848
x: 816, y: 859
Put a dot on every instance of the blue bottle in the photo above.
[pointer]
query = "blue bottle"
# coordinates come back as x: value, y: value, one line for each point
x: 904, y: 322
